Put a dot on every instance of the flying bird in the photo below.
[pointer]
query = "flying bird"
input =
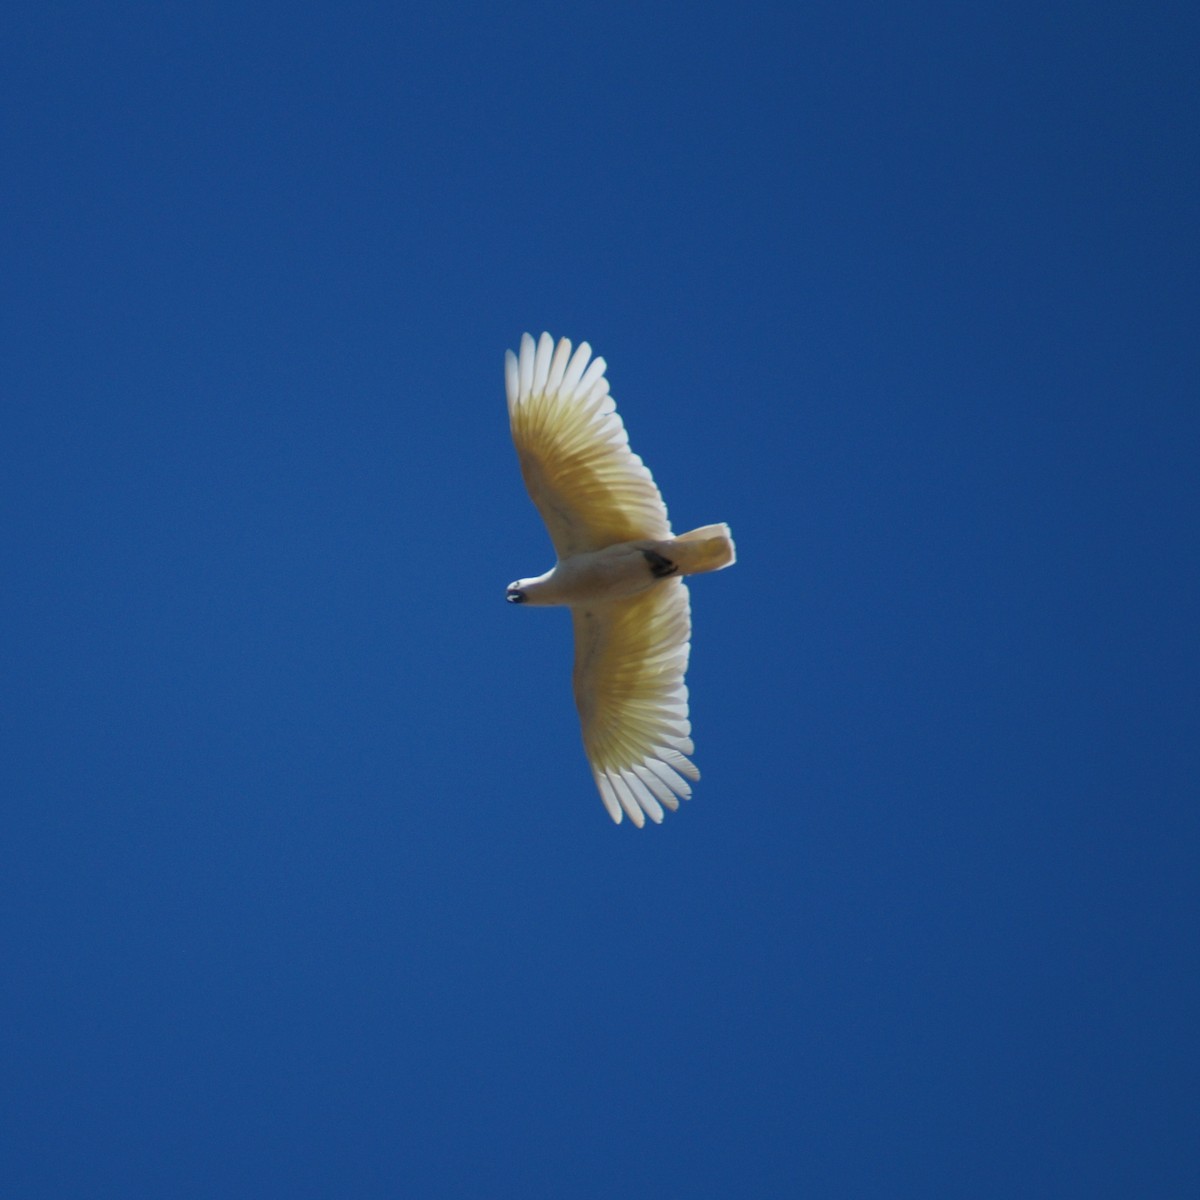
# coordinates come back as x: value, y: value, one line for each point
x: 620, y: 571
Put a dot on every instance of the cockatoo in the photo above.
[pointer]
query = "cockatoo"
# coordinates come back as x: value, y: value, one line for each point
x: 619, y: 569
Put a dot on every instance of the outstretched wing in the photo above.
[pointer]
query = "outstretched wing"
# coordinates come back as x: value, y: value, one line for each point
x: 630, y: 660
x: 590, y: 488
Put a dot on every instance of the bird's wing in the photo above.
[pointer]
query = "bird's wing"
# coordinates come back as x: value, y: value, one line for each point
x: 590, y: 488
x: 630, y: 660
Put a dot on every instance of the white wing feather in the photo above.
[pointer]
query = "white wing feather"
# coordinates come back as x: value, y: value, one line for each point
x: 590, y: 488
x: 630, y: 660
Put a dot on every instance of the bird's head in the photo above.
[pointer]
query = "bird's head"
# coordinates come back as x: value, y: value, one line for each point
x: 516, y: 592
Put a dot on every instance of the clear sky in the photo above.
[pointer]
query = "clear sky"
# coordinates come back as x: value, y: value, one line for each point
x: 306, y: 890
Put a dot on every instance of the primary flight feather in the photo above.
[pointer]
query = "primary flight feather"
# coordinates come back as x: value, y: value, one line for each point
x: 619, y: 569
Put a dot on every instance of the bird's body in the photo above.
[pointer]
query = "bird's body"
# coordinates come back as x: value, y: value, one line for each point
x: 614, y: 573
x: 619, y: 569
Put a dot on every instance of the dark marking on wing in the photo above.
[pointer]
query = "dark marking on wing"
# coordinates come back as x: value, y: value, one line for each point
x: 660, y: 567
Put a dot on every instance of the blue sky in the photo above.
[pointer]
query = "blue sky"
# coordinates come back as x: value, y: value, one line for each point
x: 306, y: 888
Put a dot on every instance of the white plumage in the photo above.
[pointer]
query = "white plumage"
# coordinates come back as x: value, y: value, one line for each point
x: 618, y: 568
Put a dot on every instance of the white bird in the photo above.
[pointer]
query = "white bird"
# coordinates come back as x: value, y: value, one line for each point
x: 619, y: 570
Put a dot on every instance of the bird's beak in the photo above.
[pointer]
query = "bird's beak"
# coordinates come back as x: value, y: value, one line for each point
x: 514, y: 595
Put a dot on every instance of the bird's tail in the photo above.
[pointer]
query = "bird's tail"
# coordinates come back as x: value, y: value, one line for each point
x: 708, y: 548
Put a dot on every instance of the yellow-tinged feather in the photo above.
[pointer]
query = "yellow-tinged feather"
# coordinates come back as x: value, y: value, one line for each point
x: 590, y: 489
x: 630, y: 659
